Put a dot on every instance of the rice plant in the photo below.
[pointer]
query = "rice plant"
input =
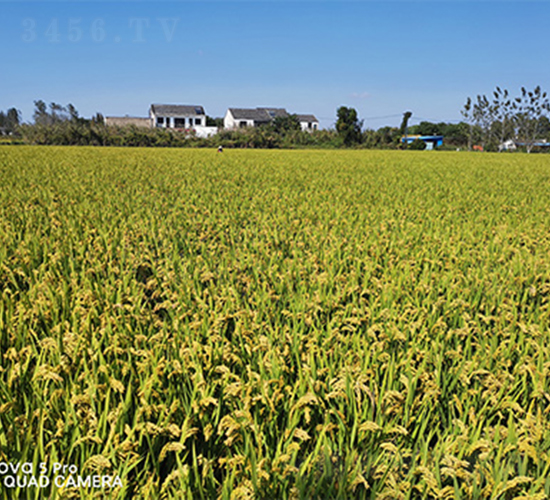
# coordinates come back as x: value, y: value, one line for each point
x: 274, y: 324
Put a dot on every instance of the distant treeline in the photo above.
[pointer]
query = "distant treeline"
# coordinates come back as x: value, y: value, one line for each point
x: 92, y: 133
x: 55, y: 124
x: 81, y: 132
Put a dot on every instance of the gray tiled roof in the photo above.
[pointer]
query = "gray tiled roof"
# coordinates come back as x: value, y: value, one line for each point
x: 307, y: 118
x: 257, y: 114
x: 250, y: 114
x: 275, y: 112
x: 177, y: 110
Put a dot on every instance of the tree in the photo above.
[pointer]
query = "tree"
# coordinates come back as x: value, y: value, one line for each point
x: 214, y: 122
x: 529, y: 108
x: 348, y: 125
x: 55, y: 113
x: 284, y: 124
x: 480, y: 116
x: 10, y: 120
x: 58, y: 113
x: 418, y: 145
x: 387, y: 137
x: 41, y: 116
x: 484, y: 117
x: 428, y: 128
x: 13, y: 116
x: 73, y: 113
x: 505, y: 118
x: 502, y: 104
x: 544, y: 128
x: 467, y: 113
x: 456, y: 134
x: 403, y: 130
x: 98, y: 118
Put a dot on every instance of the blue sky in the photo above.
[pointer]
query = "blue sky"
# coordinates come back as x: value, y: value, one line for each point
x: 382, y: 58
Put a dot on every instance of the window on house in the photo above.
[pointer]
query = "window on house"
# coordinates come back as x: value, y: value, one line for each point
x: 242, y: 124
x: 314, y: 126
x: 160, y: 120
x: 197, y: 121
x: 179, y: 122
x: 309, y: 125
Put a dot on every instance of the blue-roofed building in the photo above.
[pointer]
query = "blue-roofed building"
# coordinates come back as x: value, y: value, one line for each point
x: 538, y: 144
x: 511, y: 145
x: 431, y: 141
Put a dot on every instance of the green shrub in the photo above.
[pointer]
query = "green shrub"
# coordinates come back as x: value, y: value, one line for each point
x: 417, y: 145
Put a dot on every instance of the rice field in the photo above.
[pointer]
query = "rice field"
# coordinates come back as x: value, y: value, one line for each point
x: 274, y: 324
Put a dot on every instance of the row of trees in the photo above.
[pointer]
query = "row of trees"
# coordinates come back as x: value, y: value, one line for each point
x: 9, y: 121
x: 62, y: 125
x: 487, y: 122
x: 54, y: 113
x: 350, y: 130
x: 501, y: 117
x: 95, y: 133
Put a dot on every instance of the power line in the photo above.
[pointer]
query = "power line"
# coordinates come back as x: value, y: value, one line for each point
x: 399, y: 115
x: 367, y: 117
x: 420, y: 118
x: 383, y: 117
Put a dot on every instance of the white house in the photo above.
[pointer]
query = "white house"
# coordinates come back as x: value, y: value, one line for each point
x: 177, y: 116
x: 250, y: 117
x: 308, y: 122
x: 246, y: 117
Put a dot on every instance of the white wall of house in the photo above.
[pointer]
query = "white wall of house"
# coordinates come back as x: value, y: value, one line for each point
x: 229, y: 122
x: 178, y: 121
x: 245, y: 123
x: 309, y: 126
x: 198, y: 121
